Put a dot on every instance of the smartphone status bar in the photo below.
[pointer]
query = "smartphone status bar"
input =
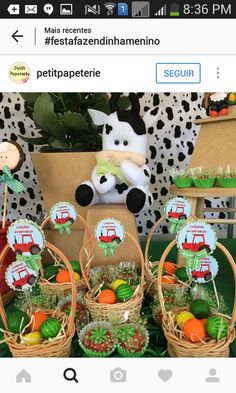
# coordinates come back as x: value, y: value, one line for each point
x: 115, y: 9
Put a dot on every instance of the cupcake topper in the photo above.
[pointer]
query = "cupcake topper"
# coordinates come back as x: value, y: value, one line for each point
x: 11, y: 160
x: 109, y: 234
x: 177, y: 211
x: 63, y: 215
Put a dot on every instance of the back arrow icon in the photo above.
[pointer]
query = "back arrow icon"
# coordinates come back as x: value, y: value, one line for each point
x: 15, y: 35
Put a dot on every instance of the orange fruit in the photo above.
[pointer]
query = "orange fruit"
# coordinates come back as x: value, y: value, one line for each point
x: 63, y: 276
x: 194, y: 330
x: 39, y: 317
x: 203, y: 321
x: 107, y: 296
x: 168, y: 280
x: 169, y: 267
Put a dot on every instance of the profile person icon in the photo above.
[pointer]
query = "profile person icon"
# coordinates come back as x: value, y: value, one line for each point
x: 212, y: 377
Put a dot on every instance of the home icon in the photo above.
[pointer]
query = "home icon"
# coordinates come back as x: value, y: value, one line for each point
x: 23, y: 377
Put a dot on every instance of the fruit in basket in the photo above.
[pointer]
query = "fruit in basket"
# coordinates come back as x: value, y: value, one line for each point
x: 17, y: 320
x: 63, y: 276
x: 76, y: 276
x: 50, y: 328
x: 200, y: 308
x: 33, y: 338
x: 98, y: 340
x: 216, y: 327
x: 154, y: 270
x: 181, y: 274
x: 183, y: 317
x: 124, y: 292
x: 168, y: 280
x: 50, y: 272
x: 169, y: 268
x: 194, y: 330
x: 131, y: 338
x: 76, y: 266
x: 117, y: 283
x: 107, y: 296
x: 38, y: 318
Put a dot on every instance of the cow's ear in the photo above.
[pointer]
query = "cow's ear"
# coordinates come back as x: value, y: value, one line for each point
x: 151, y: 116
x: 98, y: 118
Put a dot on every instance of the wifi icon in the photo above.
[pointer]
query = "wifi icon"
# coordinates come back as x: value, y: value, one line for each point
x: 110, y: 8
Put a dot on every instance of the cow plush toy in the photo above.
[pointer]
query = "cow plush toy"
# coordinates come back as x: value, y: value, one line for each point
x: 121, y: 175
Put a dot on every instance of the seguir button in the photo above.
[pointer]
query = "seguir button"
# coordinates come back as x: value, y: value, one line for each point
x: 178, y: 73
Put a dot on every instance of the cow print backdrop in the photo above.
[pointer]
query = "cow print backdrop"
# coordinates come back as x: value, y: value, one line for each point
x: 170, y: 144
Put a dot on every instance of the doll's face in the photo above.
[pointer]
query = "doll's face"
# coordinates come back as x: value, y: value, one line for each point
x: 120, y: 136
x: 10, y: 155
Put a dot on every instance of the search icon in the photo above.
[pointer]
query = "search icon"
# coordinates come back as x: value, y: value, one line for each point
x: 70, y: 375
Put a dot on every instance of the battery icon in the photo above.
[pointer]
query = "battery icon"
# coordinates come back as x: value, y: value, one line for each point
x: 174, y: 9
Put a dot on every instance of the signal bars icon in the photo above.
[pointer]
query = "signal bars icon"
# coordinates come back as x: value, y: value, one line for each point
x: 162, y: 11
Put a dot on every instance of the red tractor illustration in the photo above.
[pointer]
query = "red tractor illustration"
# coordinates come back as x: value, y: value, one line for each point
x: 178, y: 214
x: 27, y: 245
x: 24, y: 278
x: 110, y: 236
x: 204, y: 272
x: 64, y: 217
x: 196, y: 245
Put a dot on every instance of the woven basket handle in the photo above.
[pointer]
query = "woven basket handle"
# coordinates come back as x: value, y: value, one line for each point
x: 159, y: 276
x: 86, y: 272
x: 71, y: 317
x: 87, y: 230
x: 151, y: 233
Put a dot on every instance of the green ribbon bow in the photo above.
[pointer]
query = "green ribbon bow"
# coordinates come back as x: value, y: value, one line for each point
x: 175, y: 224
x: 63, y: 228
x: 194, y: 258
x: 8, y: 179
x: 106, y: 167
x: 31, y: 261
x: 108, y: 248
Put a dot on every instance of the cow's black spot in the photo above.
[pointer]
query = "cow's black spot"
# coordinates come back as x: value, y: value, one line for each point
x: 103, y: 179
x: 150, y: 130
x: 1, y: 123
x: 190, y: 148
x: 155, y: 196
x: 153, y: 152
x: 165, y: 229
x: 146, y: 172
x: 149, y: 224
x: 189, y: 125
x: 186, y: 105
x: 17, y: 107
x: 167, y: 143
x: 1, y: 97
x: 23, y: 201
x: 154, y: 111
x: 21, y: 127
x: 169, y: 112
x: 135, y: 200
x: 153, y: 179
x: 170, y: 162
x: 194, y: 96
x: 140, y: 229
x: 181, y: 156
x: 31, y: 193
x: 159, y: 168
x: 177, y: 132
x: 157, y: 214
x: 14, y: 205
x: 164, y: 191
x: 7, y: 113
x: 160, y: 124
x: 149, y: 200
x: 108, y: 129
x: 121, y: 188
x: 26, y: 175
x: 140, y: 95
x: 13, y: 137
x: 156, y: 100
x: 31, y: 147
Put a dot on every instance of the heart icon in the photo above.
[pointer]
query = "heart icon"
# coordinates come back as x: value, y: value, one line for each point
x: 165, y: 375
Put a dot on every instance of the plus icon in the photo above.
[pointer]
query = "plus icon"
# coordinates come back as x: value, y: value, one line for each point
x: 14, y: 9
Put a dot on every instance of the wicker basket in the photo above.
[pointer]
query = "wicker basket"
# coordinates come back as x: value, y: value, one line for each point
x: 178, y: 346
x: 63, y: 289
x: 151, y: 280
x: 58, y: 347
x: 119, y: 312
